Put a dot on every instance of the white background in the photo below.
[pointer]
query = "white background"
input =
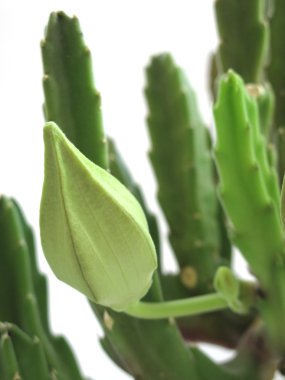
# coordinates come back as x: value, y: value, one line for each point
x: 122, y: 35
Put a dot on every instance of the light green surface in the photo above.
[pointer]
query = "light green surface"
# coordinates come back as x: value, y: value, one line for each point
x: 111, y: 263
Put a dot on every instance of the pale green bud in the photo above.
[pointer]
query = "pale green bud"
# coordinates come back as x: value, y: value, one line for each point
x: 93, y: 231
x: 240, y: 295
x: 228, y: 286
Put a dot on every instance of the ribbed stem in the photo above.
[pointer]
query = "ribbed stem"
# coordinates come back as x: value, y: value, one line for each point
x: 180, y: 155
x: 71, y: 99
x: 244, y: 38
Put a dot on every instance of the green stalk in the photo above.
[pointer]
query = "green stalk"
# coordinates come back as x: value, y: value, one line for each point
x: 180, y: 308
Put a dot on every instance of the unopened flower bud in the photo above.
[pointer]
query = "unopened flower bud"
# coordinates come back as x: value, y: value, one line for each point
x: 93, y: 231
x: 226, y: 284
x: 229, y: 287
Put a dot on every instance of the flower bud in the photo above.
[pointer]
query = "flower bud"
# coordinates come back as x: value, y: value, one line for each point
x: 226, y: 284
x: 229, y: 287
x: 93, y: 231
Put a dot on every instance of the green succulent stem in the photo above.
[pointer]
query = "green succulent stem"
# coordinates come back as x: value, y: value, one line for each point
x: 71, y: 98
x: 180, y: 154
x: 178, y: 308
x: 254, y: 212
x: 244, y: 35
x: 9, y: 357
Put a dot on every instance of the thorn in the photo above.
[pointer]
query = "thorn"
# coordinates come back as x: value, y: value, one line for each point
x: 279, y: 260
x: 5, y: 326
x: 22, y: 244
x: 234, y: 234
x: 17, y: 376
x: 30, y: 297
x: 108, y: 320
x: 247, y: 128
x: 45, y: 77
x: 9, y: 204
x: 2, y: 326
x: 86, y: 50
x: 60, y: 14
x: 198, y: 243
x: 261, y: 292
x: 189, y: 277
x: 217, y: 150
x: 36, y: 340
x: 5, y: 337
x: 269, y: 206
x: 98, y: 98
x: 171, y: 321
x: 196, y: 216
x: 254, y: 90
x: 43, y: 43
x: 183, y: 89
x: 255, y: 167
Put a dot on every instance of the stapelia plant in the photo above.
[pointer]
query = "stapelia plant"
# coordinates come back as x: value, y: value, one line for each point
x: 99, y: 236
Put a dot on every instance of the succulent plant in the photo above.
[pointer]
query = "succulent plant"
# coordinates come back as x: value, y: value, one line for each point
x: 216, y: 193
